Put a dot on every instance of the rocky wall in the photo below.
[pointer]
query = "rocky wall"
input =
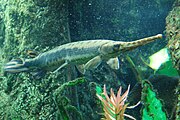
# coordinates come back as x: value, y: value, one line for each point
x: 173, y: 33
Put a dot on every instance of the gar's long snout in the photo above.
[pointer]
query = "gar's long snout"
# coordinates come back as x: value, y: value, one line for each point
x: 127, y: 46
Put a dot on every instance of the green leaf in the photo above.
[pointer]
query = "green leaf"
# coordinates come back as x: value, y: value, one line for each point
x: 153, y: 106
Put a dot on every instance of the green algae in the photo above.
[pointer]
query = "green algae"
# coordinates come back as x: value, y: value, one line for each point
x: 68, y: 84
x: 167, y: 69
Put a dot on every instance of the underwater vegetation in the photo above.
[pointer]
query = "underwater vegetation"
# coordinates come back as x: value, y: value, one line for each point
x: 155, y: 105
x: 63, y: 103
x: 152, y: 105
x: 114, y: 106
x: 163, y: 84
x: 161, y: 63
x: 152, y: 93
x: 41, y: 25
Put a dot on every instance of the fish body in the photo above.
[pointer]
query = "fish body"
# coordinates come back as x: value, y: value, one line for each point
x: 90, y: 53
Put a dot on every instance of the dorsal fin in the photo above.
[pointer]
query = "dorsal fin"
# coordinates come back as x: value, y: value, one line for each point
x: 32, y: 53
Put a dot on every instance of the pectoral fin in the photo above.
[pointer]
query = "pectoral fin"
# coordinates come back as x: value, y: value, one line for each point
x: 93, y: 63
x: 113, y: 63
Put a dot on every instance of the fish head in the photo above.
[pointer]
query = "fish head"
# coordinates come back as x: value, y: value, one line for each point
x: 114, y: 48
x: 110, y: 49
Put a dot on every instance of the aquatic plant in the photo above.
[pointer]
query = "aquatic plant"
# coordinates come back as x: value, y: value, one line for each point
x: 62, y: 102
x: 65, y: 109
x: 114, y: 106
x: 168, y: 69
x: 152, y: 105
x: 161, y: 63
x: 68, y: 84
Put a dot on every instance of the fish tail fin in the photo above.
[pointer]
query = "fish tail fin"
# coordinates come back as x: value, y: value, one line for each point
x: 16, y: 66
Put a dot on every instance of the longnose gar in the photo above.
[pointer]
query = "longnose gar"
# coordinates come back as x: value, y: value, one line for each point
x: 90, y: 53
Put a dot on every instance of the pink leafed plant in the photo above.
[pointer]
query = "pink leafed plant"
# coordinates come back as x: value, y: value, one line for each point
x: 114, y: 106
